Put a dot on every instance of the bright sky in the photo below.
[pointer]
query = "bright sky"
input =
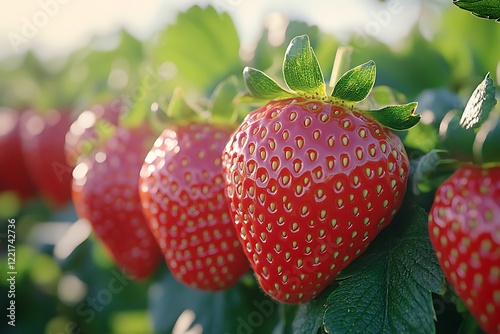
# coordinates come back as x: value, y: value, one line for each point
x: 56, y: 27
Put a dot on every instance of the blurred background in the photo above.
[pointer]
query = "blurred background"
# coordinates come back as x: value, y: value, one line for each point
x: 72, y: 55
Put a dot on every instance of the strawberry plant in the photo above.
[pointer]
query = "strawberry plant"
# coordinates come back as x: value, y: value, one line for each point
x: 330, y: 208
x: 463, y: 221
x: 310, y: 179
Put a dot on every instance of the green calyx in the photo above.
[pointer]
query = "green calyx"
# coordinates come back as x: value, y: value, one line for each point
x: 303, y: 77
x: 473, y: 135
x: 218, y: 109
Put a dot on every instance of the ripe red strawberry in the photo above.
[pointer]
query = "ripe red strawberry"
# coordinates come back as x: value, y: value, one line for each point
x: 310, y: 179
x: 43, y: 148
x: 89, y: 128
x: 182, y: 193
x: 310, y: 184
x: 464, y: 227
x: 105, y: 192
x: 14, y: 174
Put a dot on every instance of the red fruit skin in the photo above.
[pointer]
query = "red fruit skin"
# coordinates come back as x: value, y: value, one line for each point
x: 14, y: 175
x: 105, y: 192
x: 83, y: 133
x: 309, y: 185
x: 43, y: 139
x: 464, y: 227
x: 182, y: 194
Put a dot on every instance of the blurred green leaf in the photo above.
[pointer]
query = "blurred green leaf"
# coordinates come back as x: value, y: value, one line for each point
x: 202, y: 45
x: 485, y: 147
x: 457, y: 140
x: 241, y: 308
x: 221, y: 105
x: 467, y: 45
x: 423, y: 137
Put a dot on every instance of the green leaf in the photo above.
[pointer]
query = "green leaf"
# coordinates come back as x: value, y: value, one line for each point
x: 301, y: 69
x: 488, y: 9
x: 309, y: 317
x: 485, y: 147
x: 423, y: 137
x: 456, y: 139
x: 426, y: 164
x: 399, y: 117
x: 203, y: 48
x: 287, y: 314
x: 262, y: 86
x: 388, y: 289
x: 221, y: 105
x: 479, y: 105
x: 356, y: 84
x: 242, y: 308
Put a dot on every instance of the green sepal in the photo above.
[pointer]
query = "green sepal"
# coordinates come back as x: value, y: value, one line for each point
x: 356, y: 84
x: 400, y: 117
x: 261, y: 86
x: 301, y: 69
x: 485, y: 148
x: 221, y: 105
x: 179, y: 111
x: 304, y: 78
x: 479, y: 105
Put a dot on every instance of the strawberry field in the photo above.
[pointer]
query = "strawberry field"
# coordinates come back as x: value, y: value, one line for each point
x: 307, y: 182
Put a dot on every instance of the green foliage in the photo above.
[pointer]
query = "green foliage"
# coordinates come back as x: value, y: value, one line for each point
x: 388, y: 289
x: 202, y: 46
x: 242, y: 308
x: 488, y: 9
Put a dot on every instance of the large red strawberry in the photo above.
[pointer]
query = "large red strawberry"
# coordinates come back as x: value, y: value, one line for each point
x: 91, y: 127
x: 311, y: 180
x: 182, y: 192
x: 464, y: 227
x: 105, y: 192
x: 14, y: 174
x: 43, y: 139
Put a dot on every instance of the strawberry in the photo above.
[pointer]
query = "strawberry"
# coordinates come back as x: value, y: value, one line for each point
x: 182, y: 194
x: 43, y: 150
x: 89, y: 128
x: 464, y: 227
x: 311, y: 180
x: 14, y: 174
x: 105, y: 192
